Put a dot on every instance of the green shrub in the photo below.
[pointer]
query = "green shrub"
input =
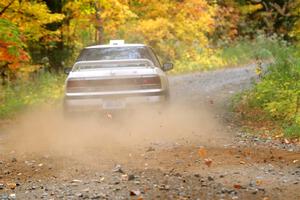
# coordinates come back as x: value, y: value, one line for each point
x: 47, y: 88
x: 243, y: 51
x: 292, y: 131
x: 278, y: 92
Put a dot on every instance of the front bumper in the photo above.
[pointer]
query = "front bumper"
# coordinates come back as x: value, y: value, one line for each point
x: 112, y: 101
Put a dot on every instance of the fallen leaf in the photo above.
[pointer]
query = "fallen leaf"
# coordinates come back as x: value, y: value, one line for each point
x: 237, y: 186
x: 208, y: 161
x: 247, y: 152
x: 202, y: 152
x: 11, y: 186
x: 258, y: 182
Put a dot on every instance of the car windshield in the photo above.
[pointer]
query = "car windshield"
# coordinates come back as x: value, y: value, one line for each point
x: 118, y: 53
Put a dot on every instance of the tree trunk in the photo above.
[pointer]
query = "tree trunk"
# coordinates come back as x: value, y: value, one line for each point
x: 98, y: 25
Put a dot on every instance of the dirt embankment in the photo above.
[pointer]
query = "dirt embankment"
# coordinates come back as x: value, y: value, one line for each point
x: 187, y: 151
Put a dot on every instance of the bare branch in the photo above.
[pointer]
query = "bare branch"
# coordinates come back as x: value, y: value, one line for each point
x: 6, y: 7
x: 281, y: 11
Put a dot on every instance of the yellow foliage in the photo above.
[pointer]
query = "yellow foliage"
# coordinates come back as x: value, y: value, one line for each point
x: 113, y: 15
x: 296, y: 10
x: 296, y: 30
x: 171, y: 27
x: 250, y: 8
x: 31, y: 18
x: 155, y: 29
x: 88, y: 15
x: 152, y: 9
x: 207, y: 59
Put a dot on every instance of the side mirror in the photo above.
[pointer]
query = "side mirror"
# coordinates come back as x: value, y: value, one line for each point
x: 167, y: 66
x: 67, y: 70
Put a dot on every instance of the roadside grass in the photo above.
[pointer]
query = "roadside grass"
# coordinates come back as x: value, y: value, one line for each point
x: 45, y: 89
x: 292, y: 131
x: 273, y: 104
x: 241, y: 52
x: 258, y: 122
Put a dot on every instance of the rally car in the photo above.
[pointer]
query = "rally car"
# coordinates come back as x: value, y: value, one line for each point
x: 116, y: 76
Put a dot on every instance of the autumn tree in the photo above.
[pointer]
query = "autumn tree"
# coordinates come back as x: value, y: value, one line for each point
x: 227, y: 20
x: 173, y: 28
x: 22, y: 23
x: 12, y: 53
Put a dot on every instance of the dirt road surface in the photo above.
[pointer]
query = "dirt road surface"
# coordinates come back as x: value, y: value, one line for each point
x: 190, y: 150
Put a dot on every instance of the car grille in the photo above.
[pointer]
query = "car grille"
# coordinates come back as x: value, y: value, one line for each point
x: 111, y: 85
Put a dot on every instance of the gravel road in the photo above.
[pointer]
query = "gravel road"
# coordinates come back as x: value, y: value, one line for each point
x: 188, y: 151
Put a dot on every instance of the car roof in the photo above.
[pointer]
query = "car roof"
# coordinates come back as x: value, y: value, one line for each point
x: 118, y: 45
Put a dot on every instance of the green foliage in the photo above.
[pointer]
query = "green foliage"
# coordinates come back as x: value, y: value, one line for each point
x: 46, y: 89
x: 201, y: 61
x: 292, y: 131
x: 277, y: 94
x: 244, y: 50
x: 279, y: 90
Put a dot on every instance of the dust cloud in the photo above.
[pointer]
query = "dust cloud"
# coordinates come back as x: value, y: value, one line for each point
x: 43, y: 131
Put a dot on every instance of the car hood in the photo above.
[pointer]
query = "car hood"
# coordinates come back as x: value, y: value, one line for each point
x: 113, y: 72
